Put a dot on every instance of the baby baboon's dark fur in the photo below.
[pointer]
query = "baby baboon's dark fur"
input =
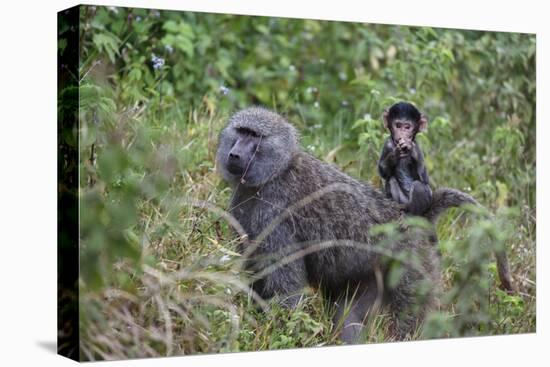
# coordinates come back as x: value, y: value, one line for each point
x: 324, y: 237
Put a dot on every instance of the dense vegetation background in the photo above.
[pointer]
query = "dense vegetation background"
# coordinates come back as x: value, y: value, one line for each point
x: 158, y: 273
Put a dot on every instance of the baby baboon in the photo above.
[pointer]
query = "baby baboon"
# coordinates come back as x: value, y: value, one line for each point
x: 308, y: 224
x: 401, y: 163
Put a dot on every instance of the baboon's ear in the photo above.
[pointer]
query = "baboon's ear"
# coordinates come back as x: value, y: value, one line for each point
x: 422, y: 123
x: 385, y: 118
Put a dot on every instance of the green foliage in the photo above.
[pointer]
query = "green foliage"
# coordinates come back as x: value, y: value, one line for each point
x: 471, y: 270
x: 160, y: 274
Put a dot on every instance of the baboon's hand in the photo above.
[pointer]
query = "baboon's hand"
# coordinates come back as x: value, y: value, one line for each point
x: 404, y: 147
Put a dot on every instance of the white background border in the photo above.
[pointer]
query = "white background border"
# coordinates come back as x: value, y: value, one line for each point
x: 28, y: 181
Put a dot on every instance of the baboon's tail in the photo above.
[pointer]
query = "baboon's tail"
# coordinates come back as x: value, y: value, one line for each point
x: 445, y: 198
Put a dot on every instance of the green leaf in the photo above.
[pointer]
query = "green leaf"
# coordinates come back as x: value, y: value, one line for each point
x: 135, y: 74
x: 108, y: 43
x: 395, y: 274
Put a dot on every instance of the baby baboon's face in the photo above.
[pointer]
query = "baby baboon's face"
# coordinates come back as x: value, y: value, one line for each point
x: 403, y: 130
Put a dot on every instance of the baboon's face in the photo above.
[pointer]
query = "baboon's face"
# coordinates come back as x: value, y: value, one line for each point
x: 255, y: 147
x: 241, y: 155
x: 403, y: 130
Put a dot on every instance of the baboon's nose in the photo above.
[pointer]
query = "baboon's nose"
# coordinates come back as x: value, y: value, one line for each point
x: 234, y: 163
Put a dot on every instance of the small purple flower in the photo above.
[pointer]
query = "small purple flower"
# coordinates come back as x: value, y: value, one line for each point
x: 158, y: 62
x: 169, y: 48
x: 224, y: 90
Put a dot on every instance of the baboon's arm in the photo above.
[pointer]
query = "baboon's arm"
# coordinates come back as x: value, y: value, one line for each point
x: 388, y: 160
x: 280, y: 265
x: 418, y: 159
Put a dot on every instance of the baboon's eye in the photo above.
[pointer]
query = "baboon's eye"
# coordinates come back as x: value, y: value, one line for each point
x: 246, y: 131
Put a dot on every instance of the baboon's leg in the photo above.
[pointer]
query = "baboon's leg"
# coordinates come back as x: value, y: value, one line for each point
x: 352, y: 311
x: 420, y: 198
x: 404, y: 320
x: 409, y: 302
x: 286, y: 283
x: 396, y: 193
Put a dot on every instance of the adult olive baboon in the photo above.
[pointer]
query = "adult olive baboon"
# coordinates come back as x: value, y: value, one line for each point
x: 308, y: 224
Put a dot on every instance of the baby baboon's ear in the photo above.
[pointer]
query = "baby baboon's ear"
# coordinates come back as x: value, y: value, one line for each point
x: 422, y: 123
x: 385, y: 118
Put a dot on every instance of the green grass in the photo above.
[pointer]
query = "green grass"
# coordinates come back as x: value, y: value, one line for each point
x: 185, y: 293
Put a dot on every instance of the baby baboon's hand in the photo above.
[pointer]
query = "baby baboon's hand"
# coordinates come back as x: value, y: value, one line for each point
x: 404, y: 147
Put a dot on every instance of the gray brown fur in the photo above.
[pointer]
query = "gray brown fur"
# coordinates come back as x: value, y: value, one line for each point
x: 281, y: 175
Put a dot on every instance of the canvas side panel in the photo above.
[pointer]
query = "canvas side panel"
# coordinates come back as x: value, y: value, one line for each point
x: 67, y: 183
